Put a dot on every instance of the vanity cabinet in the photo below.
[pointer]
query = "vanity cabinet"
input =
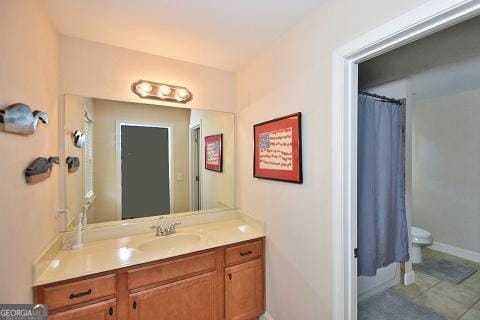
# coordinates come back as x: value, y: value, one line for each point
x: 225, y: 283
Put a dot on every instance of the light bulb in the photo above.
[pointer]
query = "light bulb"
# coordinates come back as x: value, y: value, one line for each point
x: 165, y: 90
x: 145, y: 87
x: 183, y: 94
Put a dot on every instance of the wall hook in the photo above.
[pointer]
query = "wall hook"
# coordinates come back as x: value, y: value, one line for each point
x: 18, y: 118
x: 40, y: 169
x: 78, y: 138
x: 73, y: 163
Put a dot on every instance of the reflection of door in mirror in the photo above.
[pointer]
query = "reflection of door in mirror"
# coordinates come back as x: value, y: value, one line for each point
x: 145, y: 176
x: 196, y: 204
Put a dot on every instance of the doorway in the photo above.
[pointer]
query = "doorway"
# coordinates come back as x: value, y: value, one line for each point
x: 195, y: 198
x: 145, y: 170
x: 431, y: 17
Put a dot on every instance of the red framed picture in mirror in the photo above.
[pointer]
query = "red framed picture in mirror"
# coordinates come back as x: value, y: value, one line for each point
x: 278, y: 149
x: 214, y: 152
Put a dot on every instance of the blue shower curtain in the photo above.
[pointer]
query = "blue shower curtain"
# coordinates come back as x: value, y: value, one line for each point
x: 382, y: 234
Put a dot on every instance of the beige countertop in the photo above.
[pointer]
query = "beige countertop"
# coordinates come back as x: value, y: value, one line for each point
x: 110, y: 254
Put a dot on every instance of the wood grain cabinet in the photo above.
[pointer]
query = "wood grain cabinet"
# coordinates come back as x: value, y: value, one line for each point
x: 226, y: 283
x: 244, y: 294
x: 192, y: 298
x: 105, y: 310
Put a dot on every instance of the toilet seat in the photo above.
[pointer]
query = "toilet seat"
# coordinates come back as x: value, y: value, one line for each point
x: 421, y: 236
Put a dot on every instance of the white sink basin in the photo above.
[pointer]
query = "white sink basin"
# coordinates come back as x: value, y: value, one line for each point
x: 171, y: 242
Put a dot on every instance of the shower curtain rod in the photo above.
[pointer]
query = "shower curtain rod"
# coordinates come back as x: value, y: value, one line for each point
x: 383, y: 98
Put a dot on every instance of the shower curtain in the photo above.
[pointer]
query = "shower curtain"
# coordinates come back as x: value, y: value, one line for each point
x: 382, y: 234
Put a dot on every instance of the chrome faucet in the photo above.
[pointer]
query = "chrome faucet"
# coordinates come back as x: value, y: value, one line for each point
x: 165, y: 231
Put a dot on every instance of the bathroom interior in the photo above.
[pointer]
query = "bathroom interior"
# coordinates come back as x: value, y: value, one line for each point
x: 435, y: 98
x: 176, y: 160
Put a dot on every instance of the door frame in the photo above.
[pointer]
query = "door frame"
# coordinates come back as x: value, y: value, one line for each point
x: 428, y: 18
x: 192, y: 129
x: 118, y: 158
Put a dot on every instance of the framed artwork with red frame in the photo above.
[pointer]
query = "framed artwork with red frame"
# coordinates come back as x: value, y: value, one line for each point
x: 214, y: 152
x: 278, y: 149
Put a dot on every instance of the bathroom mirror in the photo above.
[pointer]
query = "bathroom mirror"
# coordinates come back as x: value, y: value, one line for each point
x: 141, y: 161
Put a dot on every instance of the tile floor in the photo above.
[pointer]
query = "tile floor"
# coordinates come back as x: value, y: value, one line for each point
x: 455, y: 302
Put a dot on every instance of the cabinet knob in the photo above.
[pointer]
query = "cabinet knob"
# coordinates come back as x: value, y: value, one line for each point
x: 230, y: 276
x: 110, y: 311
x: 134, y: 305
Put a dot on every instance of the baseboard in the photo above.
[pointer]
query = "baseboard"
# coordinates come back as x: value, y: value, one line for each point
x: 384, y: 279
x: 456, y: 251
x: 378, y: 289
x: 266, y: 316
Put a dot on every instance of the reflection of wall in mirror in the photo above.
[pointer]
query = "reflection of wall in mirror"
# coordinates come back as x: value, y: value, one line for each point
x: 217, y: 186
x: 75, y: 183
x: 107, y: 112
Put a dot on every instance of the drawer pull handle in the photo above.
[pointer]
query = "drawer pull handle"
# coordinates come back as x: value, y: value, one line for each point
x: 80, y: 294
x: 246, y: 253
x: 230, y: 276
x: 110, y: 311
x: 134, y: 305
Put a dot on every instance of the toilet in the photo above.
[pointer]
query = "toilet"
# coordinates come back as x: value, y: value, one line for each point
x: 420, y: 238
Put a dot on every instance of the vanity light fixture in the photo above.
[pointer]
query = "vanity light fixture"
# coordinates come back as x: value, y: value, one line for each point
x: 155, y: 90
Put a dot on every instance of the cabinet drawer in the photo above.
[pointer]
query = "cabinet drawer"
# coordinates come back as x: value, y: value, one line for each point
x: 171, y: 270
x: 105, y: 310
x: 78, y: 291
x: 243, y: 252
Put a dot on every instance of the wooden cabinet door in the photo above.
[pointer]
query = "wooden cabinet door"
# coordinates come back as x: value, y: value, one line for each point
x: 194, y: 298
x: 244, y: 291
x: 105, y: 310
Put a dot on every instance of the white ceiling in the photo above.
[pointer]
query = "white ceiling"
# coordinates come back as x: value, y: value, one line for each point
x: 216, y: 33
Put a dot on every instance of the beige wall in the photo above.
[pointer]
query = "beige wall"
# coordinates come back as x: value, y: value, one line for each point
x: 106, y: 113
x: 446, y: 187
x: 91, y: 69
x: 28, y: 74
x: 295, y: 74
x: 218, y: 188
